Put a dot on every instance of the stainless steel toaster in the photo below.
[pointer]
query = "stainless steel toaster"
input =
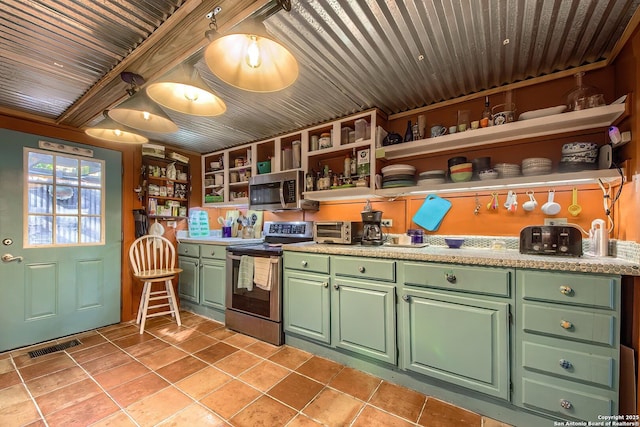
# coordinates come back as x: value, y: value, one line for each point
x: 564, y: 240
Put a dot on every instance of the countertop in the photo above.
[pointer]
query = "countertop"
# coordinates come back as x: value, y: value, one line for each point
x: 478, y: 256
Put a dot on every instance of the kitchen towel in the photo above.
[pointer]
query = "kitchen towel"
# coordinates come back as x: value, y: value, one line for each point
x: 432, y: 211
x: 262, y: 273
x: 245, y: 272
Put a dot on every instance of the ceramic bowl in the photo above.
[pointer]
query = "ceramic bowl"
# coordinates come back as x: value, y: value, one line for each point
x: 461, y: 176
x: 488, y: 174
x: 454, y: 242
x: 462, y: 167
x: 574, y: 147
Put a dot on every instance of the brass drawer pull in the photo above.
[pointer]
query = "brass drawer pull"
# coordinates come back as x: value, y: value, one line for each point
x: 566, y: 404
x: 565, y: 324
x: 361, y: 269
x: 325, y: 285
x: 566, y: 290
x: 451, y: 278
x: 336, y: 286
x: 304, y: 263
x: 406, y: 298
x: 565, y: 364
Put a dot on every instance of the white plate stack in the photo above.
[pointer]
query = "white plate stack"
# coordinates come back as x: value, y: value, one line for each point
x: 536, y: 166
x: 507, y: 170
x: 432, y: 177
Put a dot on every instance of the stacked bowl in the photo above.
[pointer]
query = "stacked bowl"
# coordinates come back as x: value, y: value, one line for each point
x: 461, y: 172
x: 577, y: 156
x: 507, y: 170
x: 398, y: 176
x: 536, y: 166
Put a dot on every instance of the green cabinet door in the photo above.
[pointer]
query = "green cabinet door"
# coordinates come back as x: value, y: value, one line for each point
x: 212, y: 282
x: 306, y: 305
x: 188, y: 288
x: 364, y: 318
x: 464, y: 341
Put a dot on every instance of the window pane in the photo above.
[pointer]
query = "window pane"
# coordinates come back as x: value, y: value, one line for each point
x: 40, y: 167
x: 91, y: 201
x: 91, y: 228
x: 66, y: 200
x: 66, y: 229
x: 40, y: 199
x: 66, y: 170
x: 40, y: 230
x: 91, y: 174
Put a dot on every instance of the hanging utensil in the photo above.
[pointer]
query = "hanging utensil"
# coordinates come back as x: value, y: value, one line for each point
x: 493, y: 204
x: 551, y: 207
x: 476, y: 211
x: 156, y: 229
x: 530, y: 204
x: 575, y: 209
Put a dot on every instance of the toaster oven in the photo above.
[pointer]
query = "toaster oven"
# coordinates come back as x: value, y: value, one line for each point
x: 340, y: 232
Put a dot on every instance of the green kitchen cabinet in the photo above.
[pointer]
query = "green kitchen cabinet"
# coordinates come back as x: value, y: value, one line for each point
x: 212, y: 279
x: 189, y: 279
x: 306, y: 305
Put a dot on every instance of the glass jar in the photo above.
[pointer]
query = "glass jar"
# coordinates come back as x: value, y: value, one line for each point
x: 417, y: 236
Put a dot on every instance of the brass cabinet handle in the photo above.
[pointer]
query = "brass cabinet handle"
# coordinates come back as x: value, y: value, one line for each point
x: 451, y: 278
x: 304, y: 263
x: 406, y: 298
x: 565, y: 324
x: 565, y: 364
x: 566, y: 404
x: 361, y: 269
x: 213, y: 253
x: 325, y: 284
x: 336, y: 286
x: 566, y: 290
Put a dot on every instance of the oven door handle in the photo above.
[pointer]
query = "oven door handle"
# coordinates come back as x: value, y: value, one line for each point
x: 274, y: 260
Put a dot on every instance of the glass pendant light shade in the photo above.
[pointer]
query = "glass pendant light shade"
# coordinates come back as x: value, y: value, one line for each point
x: 110, y: 130
x: 248, y: 58
x: 140, y: 112
x: 183, y: 90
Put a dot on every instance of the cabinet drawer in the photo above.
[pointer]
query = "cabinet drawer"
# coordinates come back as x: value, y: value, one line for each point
x: 573, y: 365
x: 579, y: 403
x: 574, y: 289
x: 376, y: 269
x: 189, y: 249
x: 307, y: 262
x: 481, y: 280
x: 569, y: 323
x: 213, y: 251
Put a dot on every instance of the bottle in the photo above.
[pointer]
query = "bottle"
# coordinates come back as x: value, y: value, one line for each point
x: 309, y: 181
x: 353, y: 163
x: 486, y: 114
x: 347, y: 166
x: 408, y: 134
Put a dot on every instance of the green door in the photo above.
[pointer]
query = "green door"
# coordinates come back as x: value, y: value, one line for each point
x: 60, y: 231
x: 213, y: 276
x: 306, y: 305
x: 188, y: 288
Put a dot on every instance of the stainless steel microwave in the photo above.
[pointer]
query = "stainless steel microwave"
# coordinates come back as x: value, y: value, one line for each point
x: 279, y: 191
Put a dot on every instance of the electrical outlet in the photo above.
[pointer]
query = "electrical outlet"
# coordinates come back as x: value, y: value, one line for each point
x: 386, y: 222
x: 555, y: 221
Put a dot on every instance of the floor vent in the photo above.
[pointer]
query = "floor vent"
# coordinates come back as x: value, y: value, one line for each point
x: 53, y: 348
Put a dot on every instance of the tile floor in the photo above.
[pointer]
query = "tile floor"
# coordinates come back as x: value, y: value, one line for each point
x: 203, y: 374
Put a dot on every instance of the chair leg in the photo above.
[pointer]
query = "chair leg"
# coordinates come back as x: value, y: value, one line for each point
x: 145, y: 306
x: 173, y: 304
x: 144, y: 291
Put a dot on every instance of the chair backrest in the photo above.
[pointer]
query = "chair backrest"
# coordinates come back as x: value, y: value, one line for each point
x: 149, y: 253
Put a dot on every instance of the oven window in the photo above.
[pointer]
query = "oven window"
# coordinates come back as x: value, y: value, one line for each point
x: 330, y: 230
x: 255, y: 301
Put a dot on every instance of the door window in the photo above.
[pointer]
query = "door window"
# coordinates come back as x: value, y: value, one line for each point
x: 64, y: 200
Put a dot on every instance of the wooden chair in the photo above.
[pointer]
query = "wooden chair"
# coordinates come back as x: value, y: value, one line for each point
x: 153, y: 260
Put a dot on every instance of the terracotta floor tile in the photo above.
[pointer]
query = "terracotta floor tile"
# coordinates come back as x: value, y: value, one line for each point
x: 290, y: 357
x: 240, y: 340
x: 263, y: 349
x: 208, y: 326
x: 88, y: 340
x: 191, y: 320
x: 48, y: 383
x: 303, y: 421
x: 105, y: 363
x: 36, y: 423
x: 21, y: 356
x: 373, y: 417
x: 162, y: 357
x: 6, y: 365
x: 215, y: 352
x: 83, y: 413
x: 356, y: 383
x: 131, y: 340
x: 137, y: 389
x: 333, y: 408
x: 8, y: 379
x: 157, y: 321
x: 437, y: 413
x: 113, y: 327
x: 238, y: 362
x: 221, y: 333
x: 18, y: 414
x: 121, y: 374
x: 296, y: 390
x: 490, y: 422
x: 320, y: 369
x: 94, y: 352
x: 220, y: 402
x: 263, y: 412
x: 47, y: 366
x: 264, y: 375
x: 147, y: 347
x: 181, y: 368
x: 121, y: 332
x: 157, y: 407
x: 194, y: 415
x: 398, y: 400
x: 13, y: 395
x: 67, y: 396
x: 196, y: 343
x: 177, y: 334
x: 119, y: 419
x: 203, y: 382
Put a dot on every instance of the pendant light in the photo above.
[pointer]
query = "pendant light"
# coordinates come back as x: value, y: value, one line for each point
x: 248, y: 58
x: 110, y: 130
x: 184, y: 90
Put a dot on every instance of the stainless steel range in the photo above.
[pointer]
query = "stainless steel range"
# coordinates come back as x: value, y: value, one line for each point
x: 254, y: 281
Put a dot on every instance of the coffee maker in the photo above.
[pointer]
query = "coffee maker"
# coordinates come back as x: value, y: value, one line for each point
x: 371, y: 232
